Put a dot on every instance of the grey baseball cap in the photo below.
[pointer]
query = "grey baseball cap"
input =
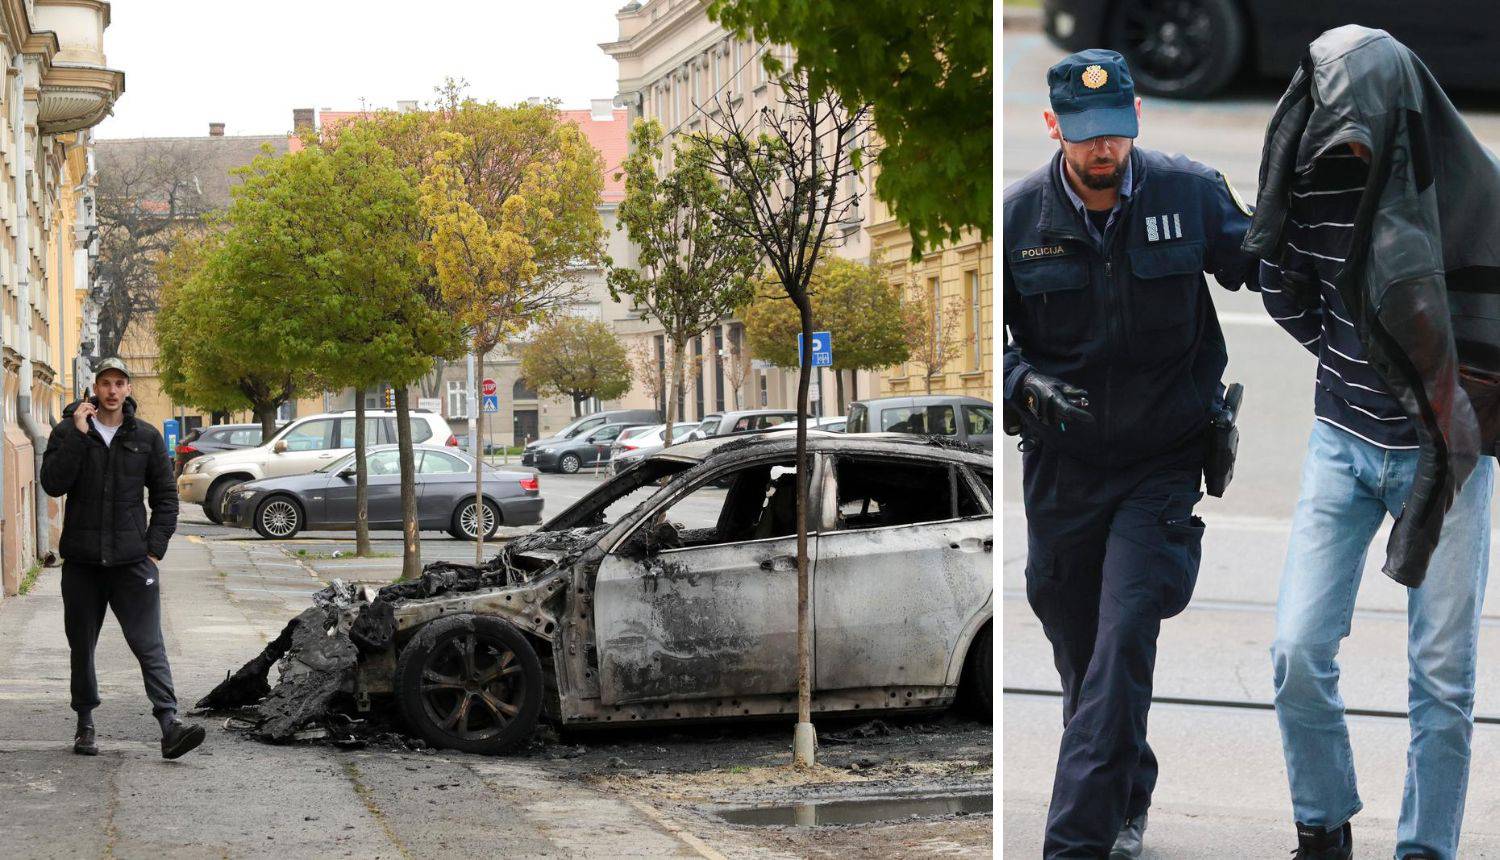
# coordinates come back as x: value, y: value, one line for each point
x: 111, y: 364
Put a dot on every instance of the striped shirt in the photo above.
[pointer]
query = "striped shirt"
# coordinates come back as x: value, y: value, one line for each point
x: 1320, y: 224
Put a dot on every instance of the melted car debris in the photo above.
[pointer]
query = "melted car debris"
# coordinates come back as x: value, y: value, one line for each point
x: 318, y: 652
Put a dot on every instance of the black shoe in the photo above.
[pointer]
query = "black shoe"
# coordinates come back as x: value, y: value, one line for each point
x: 180, y: 739
x: 83, y: 742
x: 1317, y: 843
x: 1131, y: 839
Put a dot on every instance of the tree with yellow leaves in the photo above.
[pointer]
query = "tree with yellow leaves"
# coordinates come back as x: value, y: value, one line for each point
x: 510, y: 198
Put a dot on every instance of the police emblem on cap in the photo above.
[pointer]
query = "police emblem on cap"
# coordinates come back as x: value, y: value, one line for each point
x: 1095, y: 77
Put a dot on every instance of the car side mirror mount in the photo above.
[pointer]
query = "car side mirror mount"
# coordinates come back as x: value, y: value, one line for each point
x: 279, y: 447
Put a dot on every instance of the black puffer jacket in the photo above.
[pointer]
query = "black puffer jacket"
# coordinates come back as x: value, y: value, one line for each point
x: 1422, y: 276
x: 105, y: 520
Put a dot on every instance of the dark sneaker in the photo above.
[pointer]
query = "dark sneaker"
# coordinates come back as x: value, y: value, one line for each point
x: 1316, y: 843
x: 1132, y: 838
x: 180, y: 739
x: 83, y: 742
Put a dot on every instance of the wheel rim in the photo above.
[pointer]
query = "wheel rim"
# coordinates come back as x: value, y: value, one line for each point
x: 471, y: 687
x: 569, y: 464
x: 468, y: 519
x: 1167, y: 40
x: 279, y: 517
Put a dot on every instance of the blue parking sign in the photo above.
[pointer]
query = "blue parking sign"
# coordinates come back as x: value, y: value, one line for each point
x: 822, y: 349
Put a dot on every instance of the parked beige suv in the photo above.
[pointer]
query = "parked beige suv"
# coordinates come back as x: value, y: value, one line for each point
x: 304, y: 445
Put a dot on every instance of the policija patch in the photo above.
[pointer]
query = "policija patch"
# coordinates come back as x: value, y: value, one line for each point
x: 1041, y: 252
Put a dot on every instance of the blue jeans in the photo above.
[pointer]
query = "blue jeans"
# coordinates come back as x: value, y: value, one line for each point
x: 1348, y: 487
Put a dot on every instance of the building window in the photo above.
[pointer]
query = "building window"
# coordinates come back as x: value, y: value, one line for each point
x: 764, y: 395
x: 522, y: 391
x: 661, y: 374
x: 935, y: 290
x: 719, y: 359
x: 458, y: 399
x: 975, y: 319
x: 698, y: 375
x: 286, y: 411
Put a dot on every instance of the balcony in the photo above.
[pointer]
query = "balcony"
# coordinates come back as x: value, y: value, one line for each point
x: 76, y: 89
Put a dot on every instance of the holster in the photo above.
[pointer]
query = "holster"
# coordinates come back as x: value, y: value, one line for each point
x: 1223, y: 442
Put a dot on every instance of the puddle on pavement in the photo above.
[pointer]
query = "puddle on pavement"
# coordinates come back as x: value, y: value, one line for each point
x: 815, y: 812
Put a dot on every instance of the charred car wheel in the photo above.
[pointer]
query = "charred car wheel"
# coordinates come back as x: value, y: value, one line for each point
x: 470, y: 683
x: 465, y: 525
x: 278, y: 518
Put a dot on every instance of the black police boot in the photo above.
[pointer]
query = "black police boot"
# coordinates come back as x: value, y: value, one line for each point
x: 83, y: 740
x: 1317, y: 843
x: 1131, y: 839
x: 180, y: 739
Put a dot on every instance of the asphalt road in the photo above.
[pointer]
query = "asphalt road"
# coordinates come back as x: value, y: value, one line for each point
x: 1222, y: 777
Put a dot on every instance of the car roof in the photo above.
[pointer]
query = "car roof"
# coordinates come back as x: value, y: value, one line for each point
x: 822, y: 441
x: 924, y: 400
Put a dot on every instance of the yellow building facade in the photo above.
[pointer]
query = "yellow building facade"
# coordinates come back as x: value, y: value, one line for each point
x: 56, y: 87
x: 957, y: 281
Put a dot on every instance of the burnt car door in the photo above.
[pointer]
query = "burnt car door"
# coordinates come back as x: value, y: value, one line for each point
x: 700, y: 599
x: 902, y: 568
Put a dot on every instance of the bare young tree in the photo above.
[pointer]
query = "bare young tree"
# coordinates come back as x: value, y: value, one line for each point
x: 793, y: 178
x: 146, y: 198
x: 929, y: 324
x: 736, y: 364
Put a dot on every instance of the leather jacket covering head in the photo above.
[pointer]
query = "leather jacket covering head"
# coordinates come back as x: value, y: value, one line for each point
x: 1422, y: 277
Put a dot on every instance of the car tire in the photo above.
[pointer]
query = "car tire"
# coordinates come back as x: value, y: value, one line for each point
x: 569, y: 464
x: 213, y: 500
x: 977, y: 689
x: 464, y: 521
x: 1190, y: 52
x: 441, y: 684
x: 279, y: 518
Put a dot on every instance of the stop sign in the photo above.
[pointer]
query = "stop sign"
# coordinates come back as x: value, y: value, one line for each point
x: 488, y: 388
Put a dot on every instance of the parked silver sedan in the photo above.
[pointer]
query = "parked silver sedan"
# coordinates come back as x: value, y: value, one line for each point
x: 279, y: 508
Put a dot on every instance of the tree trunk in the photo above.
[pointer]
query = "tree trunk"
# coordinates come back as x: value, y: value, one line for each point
x: 804, y: 479
x: 478, y: 443
x: 674, y: 391
x: 838, y: 381
x: 411, y: 554
x: 265, y: 413
x: 853, y: 386
x: 361, y: 483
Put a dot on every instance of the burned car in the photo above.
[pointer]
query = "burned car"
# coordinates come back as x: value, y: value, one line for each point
x: 670, y: 593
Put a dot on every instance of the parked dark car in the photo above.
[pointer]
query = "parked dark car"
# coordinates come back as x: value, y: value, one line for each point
x: 1193, y: 48
x: 967, y: 419
x: 213, y: 439
x: 281, y: 507
x: 587, y: 423
x: 590, y: 448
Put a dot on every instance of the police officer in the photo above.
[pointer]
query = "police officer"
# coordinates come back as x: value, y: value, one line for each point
x: 1113, y: 366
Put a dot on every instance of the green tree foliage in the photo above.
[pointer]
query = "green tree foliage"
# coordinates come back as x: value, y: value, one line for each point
x: 222, y: 348
x: 925, y: 68
x: 575, y: 357
x: 849, y: 299
x: 692, y: 268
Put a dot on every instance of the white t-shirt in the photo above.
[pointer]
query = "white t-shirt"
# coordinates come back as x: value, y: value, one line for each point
x: 106, y: 431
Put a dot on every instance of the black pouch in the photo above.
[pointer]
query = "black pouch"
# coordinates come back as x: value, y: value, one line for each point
x: 1223, y: 442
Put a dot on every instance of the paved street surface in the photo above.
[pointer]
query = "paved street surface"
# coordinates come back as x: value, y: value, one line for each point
x: 1222, y: 790
x: 636, y: 793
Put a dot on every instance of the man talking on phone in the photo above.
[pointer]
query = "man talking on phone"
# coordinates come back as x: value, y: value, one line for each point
x: 103, y: 460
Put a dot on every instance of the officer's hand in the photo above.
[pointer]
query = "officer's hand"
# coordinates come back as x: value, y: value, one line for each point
x: 1054, y: 402
x: 82, y: 414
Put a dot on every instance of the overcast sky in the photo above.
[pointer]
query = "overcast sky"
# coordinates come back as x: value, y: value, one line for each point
x: 248, y: 64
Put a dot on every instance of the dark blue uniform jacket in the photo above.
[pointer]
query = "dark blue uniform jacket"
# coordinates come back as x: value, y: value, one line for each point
x: 1132, y: 322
